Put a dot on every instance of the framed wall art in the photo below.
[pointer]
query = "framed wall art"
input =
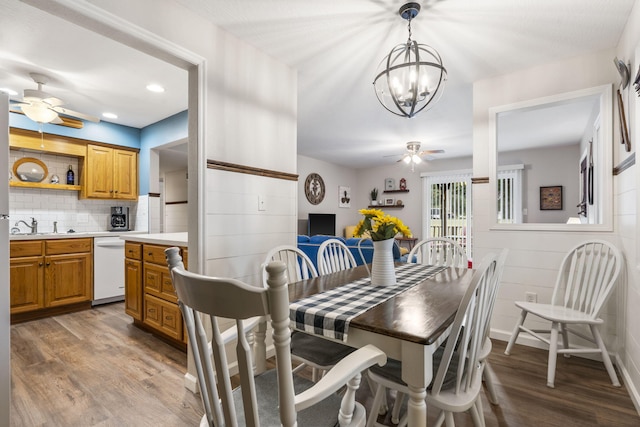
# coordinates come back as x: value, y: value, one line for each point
x: 344, y: 197
x: 551, y: 198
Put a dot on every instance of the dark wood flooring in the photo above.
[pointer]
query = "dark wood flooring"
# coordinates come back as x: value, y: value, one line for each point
x: 94, y: 368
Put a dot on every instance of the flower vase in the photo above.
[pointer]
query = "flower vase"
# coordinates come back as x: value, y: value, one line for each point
x: 383, y: 271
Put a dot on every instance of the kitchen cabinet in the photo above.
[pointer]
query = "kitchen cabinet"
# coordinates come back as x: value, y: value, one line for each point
x: 149, y: 294
x: 110, y: 173
x: 133, y: 280
x: 50, y: 277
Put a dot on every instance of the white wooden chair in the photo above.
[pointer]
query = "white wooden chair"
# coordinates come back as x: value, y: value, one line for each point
x: 457, y: 368
x: 488, y: 375
x: 333, y: 255
x: 310, y: 350
x: 275, y: 397
x: 439, y: 251
x: 586, y: 278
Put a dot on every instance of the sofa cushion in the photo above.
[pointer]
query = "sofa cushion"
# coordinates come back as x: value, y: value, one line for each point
x: 302, y: 238
x: 354, y: 242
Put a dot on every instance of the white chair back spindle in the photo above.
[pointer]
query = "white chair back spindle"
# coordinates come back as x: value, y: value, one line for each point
x: 587, y: 276
x: 439, y: 251
x: 333, y: 256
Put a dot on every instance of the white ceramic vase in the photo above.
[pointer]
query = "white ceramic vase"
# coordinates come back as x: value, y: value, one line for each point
x: 382, y: 267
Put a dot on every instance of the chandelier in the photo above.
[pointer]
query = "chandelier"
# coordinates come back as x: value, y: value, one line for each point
x: 411, y: 78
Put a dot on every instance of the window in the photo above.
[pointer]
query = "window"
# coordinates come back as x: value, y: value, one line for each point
x: 509, y: 203
x: 447, y: 200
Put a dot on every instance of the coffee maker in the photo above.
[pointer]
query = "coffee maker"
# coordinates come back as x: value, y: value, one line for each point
x: 119, y: 218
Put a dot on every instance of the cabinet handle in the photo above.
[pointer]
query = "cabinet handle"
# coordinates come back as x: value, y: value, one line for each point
x: 150, y: 254
x: 152, y: 310
x: 48, y: 264
x: 169, y: 317
x: 40, y: 264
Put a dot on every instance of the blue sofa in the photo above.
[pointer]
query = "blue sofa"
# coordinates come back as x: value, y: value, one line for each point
x: 310, y: 246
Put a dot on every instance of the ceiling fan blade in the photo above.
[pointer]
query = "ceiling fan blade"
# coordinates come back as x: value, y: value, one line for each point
x: 423, y: 152
x: 53, y: 101
x: 76, y: 114
x: 57, y: 121
x: 393, y: 155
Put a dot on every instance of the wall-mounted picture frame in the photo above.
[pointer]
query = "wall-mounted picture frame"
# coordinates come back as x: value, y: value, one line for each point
x: 344, y: 196
x: 389, y: 201
x: 551, y: 198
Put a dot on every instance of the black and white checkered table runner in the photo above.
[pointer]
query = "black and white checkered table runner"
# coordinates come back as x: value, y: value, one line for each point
x: 329, y: 313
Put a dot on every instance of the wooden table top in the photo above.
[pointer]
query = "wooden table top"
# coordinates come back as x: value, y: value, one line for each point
x: 420, y: 314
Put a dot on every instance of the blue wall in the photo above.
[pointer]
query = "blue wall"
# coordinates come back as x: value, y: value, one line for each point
x: 106, y: 132
x: 171, y: 129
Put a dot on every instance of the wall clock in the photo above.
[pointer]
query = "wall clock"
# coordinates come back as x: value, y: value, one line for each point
x: 314, y: 188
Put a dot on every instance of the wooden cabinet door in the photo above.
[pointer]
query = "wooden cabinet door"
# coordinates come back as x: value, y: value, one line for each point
x: 133, y: 288
x: 125, y: 175
x: 26, y: 284
x: 99, y: 172
x: 68, y: 279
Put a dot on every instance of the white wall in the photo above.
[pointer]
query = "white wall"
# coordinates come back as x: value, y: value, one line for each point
x: 545, y: 167
x: 333, y: 177
x: 535, y: 256
x: 625, y: 215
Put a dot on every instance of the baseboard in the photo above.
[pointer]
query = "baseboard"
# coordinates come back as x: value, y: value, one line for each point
x: 628, y: 382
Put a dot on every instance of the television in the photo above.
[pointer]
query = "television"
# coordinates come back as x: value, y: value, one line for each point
x: 320, y: 223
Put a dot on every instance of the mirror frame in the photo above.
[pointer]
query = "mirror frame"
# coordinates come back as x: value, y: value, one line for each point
x: 24, y: 160
x: 606, y: 154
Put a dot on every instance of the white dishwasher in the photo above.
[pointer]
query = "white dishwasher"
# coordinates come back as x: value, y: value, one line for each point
x: 108, y: 269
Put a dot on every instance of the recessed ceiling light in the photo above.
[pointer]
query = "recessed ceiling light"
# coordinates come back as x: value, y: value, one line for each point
x: 110, y: 115
x: 8, y: 91
x: 155, y: 88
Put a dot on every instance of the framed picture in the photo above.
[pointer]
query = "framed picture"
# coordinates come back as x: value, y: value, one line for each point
x: 551, y: 198
x: 389, y: 201
x: 344, y: 197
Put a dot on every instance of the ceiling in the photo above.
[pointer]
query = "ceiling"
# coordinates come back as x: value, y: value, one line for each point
x: 336, y: 46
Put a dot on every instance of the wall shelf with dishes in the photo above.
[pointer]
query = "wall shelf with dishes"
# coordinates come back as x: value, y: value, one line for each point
x: 395, y: 191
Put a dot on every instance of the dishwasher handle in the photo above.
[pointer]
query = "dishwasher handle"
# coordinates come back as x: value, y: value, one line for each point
x: 110, y: 244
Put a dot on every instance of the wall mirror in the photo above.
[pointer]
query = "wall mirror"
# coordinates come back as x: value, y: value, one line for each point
x: 29, y: 169
x: 552, y: 168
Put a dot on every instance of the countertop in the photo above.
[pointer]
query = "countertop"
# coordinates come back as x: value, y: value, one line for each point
x: 47, y: 236
x: 172, y: 239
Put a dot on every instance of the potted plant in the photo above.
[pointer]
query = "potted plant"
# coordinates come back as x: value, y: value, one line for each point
x: 374, y: 197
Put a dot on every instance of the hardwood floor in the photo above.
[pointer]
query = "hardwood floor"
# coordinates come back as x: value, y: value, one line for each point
x: 94, y: 368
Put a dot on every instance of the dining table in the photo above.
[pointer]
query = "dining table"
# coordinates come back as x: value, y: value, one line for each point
x: 408, y: 321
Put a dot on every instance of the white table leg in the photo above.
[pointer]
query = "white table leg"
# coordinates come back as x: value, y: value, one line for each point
x: 416, y: 372
x: 416, y: 407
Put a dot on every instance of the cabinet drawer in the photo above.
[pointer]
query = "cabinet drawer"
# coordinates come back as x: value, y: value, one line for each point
x: 163, y: 316
x: 157, y: 281
x: 25, y: 248
x: 133, y: 250
x: 154, y: 254
x: 68, y: 246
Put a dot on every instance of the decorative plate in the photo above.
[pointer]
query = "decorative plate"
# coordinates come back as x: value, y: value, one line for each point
x: 314, y: 188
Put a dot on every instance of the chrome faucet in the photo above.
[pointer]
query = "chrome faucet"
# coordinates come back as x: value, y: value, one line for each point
x: 33, y: 226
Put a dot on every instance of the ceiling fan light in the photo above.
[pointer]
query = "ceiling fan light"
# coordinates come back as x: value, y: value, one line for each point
x: 416, y: 159
x: 407, y: 159
x: 39, y: 113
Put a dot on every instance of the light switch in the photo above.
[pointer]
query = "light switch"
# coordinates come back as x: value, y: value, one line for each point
x: 262, y: 205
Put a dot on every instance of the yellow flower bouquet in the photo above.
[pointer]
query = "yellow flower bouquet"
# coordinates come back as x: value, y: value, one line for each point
x: 380, y: 226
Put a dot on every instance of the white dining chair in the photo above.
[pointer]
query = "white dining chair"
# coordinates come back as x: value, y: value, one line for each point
x: 488, y: 375
x: 275, y: 397
x: 587, y: 275
x: 457, y: 368
x: 334, y: 255
x: 439, y: 251
x: 308, y: 350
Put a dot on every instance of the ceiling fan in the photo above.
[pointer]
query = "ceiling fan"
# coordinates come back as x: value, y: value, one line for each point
x: 414, y: 156
x: 43, y: 107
